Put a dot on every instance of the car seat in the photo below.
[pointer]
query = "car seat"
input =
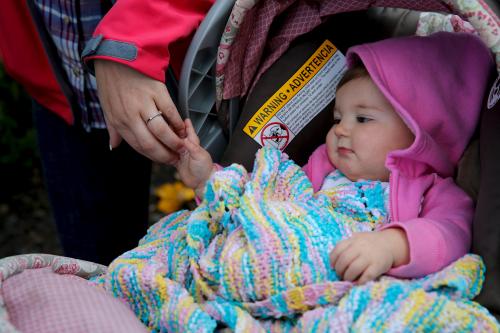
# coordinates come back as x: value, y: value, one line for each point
x: 225, y: 49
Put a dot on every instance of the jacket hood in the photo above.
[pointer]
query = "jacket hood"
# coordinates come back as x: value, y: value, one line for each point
x: 436, y: 84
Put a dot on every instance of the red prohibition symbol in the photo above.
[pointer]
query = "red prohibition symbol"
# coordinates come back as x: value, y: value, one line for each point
x: 275, y: 135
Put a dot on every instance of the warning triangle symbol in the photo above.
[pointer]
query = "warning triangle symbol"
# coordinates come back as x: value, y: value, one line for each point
x: 252, y: 129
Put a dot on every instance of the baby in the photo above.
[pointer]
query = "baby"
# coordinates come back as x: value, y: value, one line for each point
x: 404, y: 112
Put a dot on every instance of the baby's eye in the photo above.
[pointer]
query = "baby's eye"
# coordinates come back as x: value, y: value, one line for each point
x: 336, y: 118
x: 361, y: 119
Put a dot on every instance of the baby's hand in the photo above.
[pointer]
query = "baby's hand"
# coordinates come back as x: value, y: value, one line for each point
x: 367, y: 255
x: 195, y: 165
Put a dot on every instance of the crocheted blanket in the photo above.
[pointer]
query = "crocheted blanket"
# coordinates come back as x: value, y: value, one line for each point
x: 254, y: 257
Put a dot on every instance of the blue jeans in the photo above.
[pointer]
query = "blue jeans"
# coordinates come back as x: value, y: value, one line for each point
x: 99, y: 197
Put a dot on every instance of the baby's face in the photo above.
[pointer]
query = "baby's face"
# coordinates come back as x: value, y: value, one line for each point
x: 366, y: 128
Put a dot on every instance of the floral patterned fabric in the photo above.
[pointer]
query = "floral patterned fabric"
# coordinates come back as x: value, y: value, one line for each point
x: 11, y: 266
x: 482, y: 21
x: 42, y: 301
x: 247, y: 32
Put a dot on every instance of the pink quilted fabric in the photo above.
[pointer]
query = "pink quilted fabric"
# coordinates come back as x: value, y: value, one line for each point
x: 260, y: 41
x: 39, y: 300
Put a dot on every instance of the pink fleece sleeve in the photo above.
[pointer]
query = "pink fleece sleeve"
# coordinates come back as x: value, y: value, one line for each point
x: 441, y: 234
x: 318, y: 167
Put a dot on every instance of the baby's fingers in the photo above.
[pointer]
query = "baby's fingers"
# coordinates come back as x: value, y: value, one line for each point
x: 337, y: 251
x: 356, y: 268
x: 369, y: 274
x: 344, y: 259
x: 191, y: 147
x: 191, y: 133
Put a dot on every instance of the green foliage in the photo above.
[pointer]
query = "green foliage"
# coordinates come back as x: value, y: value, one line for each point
x: 18, y: 153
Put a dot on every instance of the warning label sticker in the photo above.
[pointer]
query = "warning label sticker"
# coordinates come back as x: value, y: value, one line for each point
x: 299, y: 100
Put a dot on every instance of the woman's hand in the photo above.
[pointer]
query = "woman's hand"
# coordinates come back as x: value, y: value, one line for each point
x: 367, y: 255
x: 129, y: 98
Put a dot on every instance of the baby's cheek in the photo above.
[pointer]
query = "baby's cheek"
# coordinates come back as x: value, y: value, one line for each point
x: 331, y: 142
x: 332, y: 155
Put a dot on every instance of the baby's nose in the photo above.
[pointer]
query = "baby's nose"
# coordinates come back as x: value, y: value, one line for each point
x: 340, y: 129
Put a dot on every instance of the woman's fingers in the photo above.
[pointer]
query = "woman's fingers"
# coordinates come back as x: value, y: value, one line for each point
x: 170, y: 113
x: 129, y: 98
x: 163, y: 133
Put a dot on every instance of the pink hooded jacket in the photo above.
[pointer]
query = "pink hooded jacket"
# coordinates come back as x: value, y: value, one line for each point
x: 436, y: 84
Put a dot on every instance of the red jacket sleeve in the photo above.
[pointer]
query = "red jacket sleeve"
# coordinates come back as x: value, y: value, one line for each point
x: 24, y: 58
x: 147, y: 35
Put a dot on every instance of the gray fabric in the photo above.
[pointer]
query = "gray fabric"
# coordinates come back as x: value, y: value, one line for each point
x: 468, y: 173
x: 116, y: 49
x: 98, y: 46
x: 486, y: 227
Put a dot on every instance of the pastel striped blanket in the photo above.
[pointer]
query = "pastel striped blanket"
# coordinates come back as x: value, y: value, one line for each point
x: 253, y: 257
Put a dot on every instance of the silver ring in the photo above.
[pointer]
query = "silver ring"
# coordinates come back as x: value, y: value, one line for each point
x: 153, y: 117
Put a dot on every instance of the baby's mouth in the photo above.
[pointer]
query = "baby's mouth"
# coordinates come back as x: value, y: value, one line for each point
x: 344, y: 151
